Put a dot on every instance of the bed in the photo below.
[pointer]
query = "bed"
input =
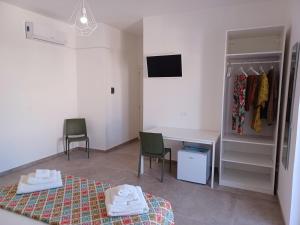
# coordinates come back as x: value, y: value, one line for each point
x: 79, y: 201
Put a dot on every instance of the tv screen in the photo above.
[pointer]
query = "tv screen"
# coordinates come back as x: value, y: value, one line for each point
x: 164, y: 66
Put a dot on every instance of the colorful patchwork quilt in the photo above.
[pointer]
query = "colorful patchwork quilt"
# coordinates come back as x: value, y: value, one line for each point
x: 80, y: 201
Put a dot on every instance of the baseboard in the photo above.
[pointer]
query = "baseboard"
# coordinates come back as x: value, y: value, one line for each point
x: 91, y: 149
x: 30, y: 164
x: 113, y: 148
x: 60, y: 154
x: 121, y: 145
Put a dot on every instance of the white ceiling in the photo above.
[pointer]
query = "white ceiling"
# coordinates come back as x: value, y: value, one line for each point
x: 123, y: 14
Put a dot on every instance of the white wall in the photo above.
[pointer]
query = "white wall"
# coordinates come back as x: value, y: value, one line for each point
x: 37, y: 89
x: 109, y: 58
x: 195, y: 100
x: 91, y: 68
x: 40, y: 87
x: 289, y: 180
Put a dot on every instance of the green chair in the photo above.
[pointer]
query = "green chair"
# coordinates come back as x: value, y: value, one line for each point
x: 75, y: 131
x: 152, y: 145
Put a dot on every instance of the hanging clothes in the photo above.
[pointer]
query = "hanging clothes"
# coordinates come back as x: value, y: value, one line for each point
x: 270, y: 111
x: 273, y: 96
x: 252, y: 83
x: 260, y: 102
x: 238, y: 109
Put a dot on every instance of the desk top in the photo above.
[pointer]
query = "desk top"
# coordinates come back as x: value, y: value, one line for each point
x: 187, y: 135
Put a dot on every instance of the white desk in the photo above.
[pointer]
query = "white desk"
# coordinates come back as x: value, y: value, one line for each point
x: 188, y: 135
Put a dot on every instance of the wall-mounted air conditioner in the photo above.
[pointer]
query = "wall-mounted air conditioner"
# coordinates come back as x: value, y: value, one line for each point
x: 43, y: 33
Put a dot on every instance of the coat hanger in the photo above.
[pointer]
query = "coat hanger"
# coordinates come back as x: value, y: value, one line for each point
x: 253, y: 70
x: 243, y: 71
x: 261, y: 69
x: 229, y: 70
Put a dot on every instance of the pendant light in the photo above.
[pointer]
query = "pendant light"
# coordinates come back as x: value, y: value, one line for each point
x: 83, y: 19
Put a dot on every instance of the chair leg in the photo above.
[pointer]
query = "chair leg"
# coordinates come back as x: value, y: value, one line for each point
x: 170, y: 161
x: 68, y: 150
x: 88, y: 148
x: 139, y: 167
x: 150, y: 161
x: 65, y: 146
x: 162, y: 169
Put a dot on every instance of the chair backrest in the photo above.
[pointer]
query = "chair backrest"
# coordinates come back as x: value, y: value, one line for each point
x: 75, y: 127
x: 152, y: 143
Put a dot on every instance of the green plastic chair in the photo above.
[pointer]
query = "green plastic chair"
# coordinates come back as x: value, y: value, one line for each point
x: 152, y: 145
x: 75, y: 131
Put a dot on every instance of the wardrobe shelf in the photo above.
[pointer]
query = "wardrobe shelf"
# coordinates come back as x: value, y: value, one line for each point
x: 252, y: 181
x: 247, y: 158
x: 249, y: 139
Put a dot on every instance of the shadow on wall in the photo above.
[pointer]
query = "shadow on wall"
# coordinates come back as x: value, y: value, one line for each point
x: 211, y: 84
x: 123, y: 106
x: 132, y: 84
x: 135, y: 28
x: 60, y: 144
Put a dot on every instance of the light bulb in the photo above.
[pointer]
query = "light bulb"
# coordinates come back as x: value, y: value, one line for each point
x: 83, y: 19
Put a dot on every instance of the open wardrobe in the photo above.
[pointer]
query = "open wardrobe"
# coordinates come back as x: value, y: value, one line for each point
x: 251, y: 103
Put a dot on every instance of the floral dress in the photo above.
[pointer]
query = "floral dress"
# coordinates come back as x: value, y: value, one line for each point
x: 238, y: 109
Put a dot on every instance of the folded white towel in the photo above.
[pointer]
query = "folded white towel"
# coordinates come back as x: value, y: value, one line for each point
x: 132, y: 194
x: 129, y: 207
x: 128, y: 213
x: 33, y: 179
x: 124, y: 190
x: 135, y: 207
x: 24, y: 187
x: 116, y: 200
x: 42, y: 173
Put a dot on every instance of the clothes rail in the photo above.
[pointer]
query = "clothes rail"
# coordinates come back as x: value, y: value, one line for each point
x: 256, y: 62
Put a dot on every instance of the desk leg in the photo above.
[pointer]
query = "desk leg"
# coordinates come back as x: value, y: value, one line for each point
x: 142, y: 165
x: 213, y: 165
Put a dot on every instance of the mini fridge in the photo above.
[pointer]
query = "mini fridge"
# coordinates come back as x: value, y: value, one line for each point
x: 194, y: 164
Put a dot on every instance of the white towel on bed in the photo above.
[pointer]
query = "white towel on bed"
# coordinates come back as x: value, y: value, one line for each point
x: 32, y: 178
x: 42, y: 173
x: 24, y: 187
x: 123, y: 194
x: 124, y: 190
x: 134, y: 207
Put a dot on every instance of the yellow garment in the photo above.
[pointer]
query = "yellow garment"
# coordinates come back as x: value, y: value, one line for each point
x: 261, y: 99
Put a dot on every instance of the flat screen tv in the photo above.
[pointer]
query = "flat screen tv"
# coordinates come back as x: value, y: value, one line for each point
x: 164, y: 66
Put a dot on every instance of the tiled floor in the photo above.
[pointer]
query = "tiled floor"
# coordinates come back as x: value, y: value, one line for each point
x: 193, y: 204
